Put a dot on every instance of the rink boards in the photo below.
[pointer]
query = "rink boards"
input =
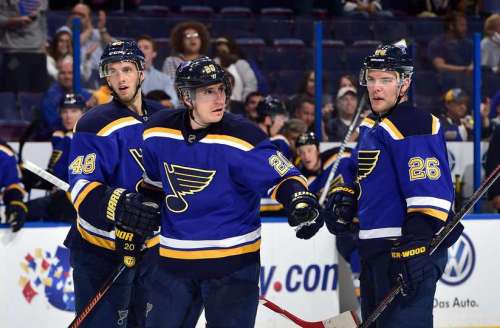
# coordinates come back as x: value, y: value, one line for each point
x: 301, y: 276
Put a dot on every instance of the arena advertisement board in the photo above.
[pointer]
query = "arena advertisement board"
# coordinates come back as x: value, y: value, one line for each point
x: 300, y: 276
x: 468, y: 292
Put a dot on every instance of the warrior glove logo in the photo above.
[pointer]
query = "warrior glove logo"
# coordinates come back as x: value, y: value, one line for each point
x: 184, y: 181
x: 367, y: 160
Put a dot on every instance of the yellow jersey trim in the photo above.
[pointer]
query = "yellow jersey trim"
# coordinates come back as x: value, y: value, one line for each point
x: 6, y: 150
x: 15, y: 186
x: 393, y: 129
x: 88, y: 188
x: 431, y: 212
x: 295, y: 177
x: 125, y: 121
x: 94, y: 240
x: 210, y: 254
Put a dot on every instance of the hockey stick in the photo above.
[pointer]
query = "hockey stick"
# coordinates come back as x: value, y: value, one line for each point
x: 335, y: 166
x: 45, y: 175
x: 80, y: 317
x: 347, y: 319
x: 435, y: 242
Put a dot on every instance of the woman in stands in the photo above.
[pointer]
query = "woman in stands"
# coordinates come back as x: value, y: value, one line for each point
x: 189, y: 40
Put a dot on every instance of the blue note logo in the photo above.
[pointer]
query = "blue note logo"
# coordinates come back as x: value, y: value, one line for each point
x: 461, y: 262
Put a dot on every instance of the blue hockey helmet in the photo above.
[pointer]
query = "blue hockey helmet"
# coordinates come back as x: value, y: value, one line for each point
x: 118, y: 51
x: 200, y: 72
x: 72, y: 100
x: 270, y: 106
x: 388, y: 57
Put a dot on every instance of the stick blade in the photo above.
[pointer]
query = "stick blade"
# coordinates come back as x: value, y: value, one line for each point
x: 348, y: 319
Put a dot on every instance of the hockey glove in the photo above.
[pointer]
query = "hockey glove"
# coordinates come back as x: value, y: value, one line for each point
x: 303, y: 207
x: 15, y: 211
x: 129, y: 245
x: 341, y: 207
x: 307, y: 231
x: 411, y: 262
x: 132, y: 212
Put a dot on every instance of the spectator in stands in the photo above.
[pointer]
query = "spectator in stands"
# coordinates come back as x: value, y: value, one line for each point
x: 347, y: 103
x: 306, y: 90
x: 92, y: 40
x: 161, y: 97
x: 495, y: 112
x: 305, y: 112
x: 55, y: 94
x: 452, y: 52
x: 457, y: 121
x: 23, y: 34
x: 492, y: 160
x: 230, y: 56
x: 251, y: 102
x: 490, y: 44
x: 189, y: 40
x: 290, y: 132
x: 153, y: 78
x: 346, y: 80
x: 364, y: 8
x: 60, y: 47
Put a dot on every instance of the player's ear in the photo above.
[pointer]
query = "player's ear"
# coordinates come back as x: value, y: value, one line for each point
x: 405, y: 87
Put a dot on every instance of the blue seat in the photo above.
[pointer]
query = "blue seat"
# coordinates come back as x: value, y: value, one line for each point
x: 333, y: 56
x: 153, y: 10
x: 196, y: 10
x: 352, y: 30
x: 8, y: 110
x: 270, y: 29
x: 162, y: 51
x: 285, y: 54
x: 252, y: 48
x: 241, y: 27
x: 390, y: 30
x: 425, y: 29
x: 426, y: 88
x: 236, y: 11
x: 356, y: 54
x: 276, y: 12
x: 29, y: 104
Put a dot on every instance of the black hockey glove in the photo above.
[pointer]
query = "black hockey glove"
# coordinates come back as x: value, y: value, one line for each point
x: 303, y: 207
x: 129, y: 245
x: 341, y: 208
x: 132, y: 212
x: 411, y: 262
x: 309, y: 229
x: 15, y: 212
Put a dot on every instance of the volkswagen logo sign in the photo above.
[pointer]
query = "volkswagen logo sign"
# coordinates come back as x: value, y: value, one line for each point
x: 451, y: 160
x: 461, y: 262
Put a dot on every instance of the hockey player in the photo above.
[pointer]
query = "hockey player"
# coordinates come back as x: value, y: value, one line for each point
x: 403, y: 194
x: 57, y: 206
x: 213, y: 168
x: 11, y: 188
x: 105, y: 166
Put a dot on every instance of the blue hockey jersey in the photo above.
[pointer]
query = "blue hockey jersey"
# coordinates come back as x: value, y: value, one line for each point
x: 402, y: 171
x: 213, y: 180
x: 10, y: 176
x: 61, y: 144
x: 105, y: 152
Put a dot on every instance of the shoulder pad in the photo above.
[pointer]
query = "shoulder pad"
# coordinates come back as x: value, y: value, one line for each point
x: 237, y: 126
x: 104, y: 119
x: 407, y: 121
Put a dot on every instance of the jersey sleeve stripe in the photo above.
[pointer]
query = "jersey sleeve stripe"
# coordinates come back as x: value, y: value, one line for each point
x: 391, y: 129
x: 163, y: 132
x: 228, y: 141
x: 95, y: 239
x: 379, y: 233
x: 221, y: 243
x: 210, y: 254
x: 116, y: 125
x: 274, y: 190
x: 77, y: 187
x: 85, y: 191
x: 6, y: 150
x: 17, y: 186
x: 436, y: 125
x: 428, y: 201
x: 369, y: 123
x: 439, y: 214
